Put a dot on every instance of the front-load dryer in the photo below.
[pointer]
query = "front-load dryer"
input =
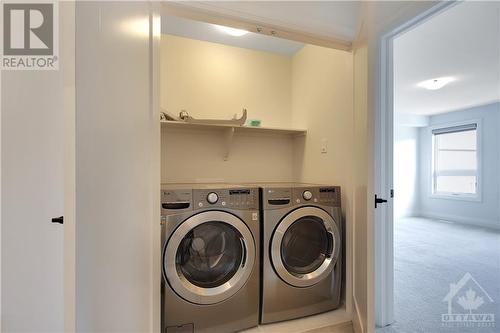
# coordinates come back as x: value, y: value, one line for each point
x: 210, y: 241
x: 301, y: 250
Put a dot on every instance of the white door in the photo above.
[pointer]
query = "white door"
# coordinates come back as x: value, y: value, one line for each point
x: 32, y: 194
x: 35, y: 149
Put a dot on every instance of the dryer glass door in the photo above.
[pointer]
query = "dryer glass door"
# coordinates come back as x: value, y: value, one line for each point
x: 305, y: 246
x: 209, y: 257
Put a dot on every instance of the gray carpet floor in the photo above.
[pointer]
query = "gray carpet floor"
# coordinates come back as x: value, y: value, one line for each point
x: 429, y: 256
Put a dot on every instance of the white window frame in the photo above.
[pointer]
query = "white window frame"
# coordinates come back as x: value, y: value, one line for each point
x: 458, y: 196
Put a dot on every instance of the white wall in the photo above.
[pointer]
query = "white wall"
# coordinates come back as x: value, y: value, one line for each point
x: 406, y: 165
x: 410, y: 120
x: 117, y: 170
x: 485, y: 212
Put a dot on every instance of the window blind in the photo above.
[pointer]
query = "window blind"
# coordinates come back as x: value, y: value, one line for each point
x: 454, y: 129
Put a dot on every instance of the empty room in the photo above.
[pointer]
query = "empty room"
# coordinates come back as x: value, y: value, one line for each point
x: 446, y: 179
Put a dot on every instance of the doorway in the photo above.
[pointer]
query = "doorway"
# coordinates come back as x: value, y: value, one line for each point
x: 443, y: 223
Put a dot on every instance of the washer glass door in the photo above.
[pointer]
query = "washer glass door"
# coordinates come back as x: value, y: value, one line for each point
x: 210, y: 254
x: 209, y: 257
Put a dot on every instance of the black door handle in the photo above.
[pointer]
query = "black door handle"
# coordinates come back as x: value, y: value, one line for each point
x: 59, y: 219
x: 379, y: 201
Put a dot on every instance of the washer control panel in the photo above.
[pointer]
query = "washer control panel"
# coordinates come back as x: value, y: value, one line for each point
x: 237, y: 198
x: 276, y: 197
x: 321, y: 195
x: 176, y: 200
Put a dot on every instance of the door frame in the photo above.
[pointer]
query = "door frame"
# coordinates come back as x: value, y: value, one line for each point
x: 384, y: 167
x: 67, y: 17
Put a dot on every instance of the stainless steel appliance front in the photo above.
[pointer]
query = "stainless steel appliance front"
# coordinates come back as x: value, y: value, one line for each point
x: 210, y: 258
x: 302, y: 269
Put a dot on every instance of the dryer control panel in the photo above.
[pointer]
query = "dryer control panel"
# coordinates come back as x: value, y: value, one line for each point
x: 236, y: 198
x: 320, y: 195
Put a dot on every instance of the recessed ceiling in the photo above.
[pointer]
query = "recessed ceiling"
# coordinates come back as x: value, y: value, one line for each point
x: 462, y: 43
x: 209, y: 32
x: 333, y: 19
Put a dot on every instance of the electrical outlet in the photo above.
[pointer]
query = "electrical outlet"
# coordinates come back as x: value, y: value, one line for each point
x: 324, y: 146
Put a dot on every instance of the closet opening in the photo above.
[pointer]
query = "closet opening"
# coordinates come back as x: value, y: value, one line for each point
x: 243, y: 110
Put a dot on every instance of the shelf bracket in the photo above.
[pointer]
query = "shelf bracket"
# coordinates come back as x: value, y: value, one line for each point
x: 228, y: 138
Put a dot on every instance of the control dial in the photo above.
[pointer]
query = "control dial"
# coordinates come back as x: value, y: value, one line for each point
x: 307, y: 195
x: 212, y: 197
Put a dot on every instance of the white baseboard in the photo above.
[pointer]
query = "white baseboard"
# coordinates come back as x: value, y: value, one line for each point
x: 477, y: 222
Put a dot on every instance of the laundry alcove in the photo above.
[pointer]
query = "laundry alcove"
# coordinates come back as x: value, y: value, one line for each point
x: 302, y: 94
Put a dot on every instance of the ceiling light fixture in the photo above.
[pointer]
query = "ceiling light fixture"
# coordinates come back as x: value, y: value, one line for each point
x: 435, y: 84
x: 232, y: 31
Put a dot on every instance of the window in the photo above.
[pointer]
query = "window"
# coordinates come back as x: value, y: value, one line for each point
x: 455, y: 161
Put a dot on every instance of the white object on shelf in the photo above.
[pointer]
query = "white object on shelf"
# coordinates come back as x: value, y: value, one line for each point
x: 184, y: 116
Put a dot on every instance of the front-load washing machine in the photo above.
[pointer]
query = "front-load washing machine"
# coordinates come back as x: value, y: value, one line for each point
x: 210, y: 240
x: 301, y: 250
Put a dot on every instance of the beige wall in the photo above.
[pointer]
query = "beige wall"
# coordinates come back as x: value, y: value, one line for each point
x: 215, y: 80
x: 197, y: 156
x: 322, y: 102
x: 362, y: 293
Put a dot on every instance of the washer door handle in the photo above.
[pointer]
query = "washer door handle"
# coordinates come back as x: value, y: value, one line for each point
x: 244, y: 252
x: 331, y: 244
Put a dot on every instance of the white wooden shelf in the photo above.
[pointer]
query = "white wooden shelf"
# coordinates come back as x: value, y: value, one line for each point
x: 229, y: 130
x: 237, y: 129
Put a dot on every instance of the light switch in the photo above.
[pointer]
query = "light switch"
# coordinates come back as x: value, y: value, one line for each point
x: 324, y: 146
